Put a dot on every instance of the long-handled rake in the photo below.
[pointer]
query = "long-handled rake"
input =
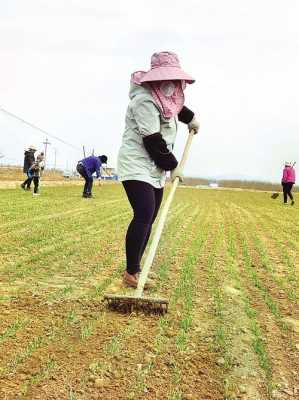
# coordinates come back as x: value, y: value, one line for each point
x: 138, y: 300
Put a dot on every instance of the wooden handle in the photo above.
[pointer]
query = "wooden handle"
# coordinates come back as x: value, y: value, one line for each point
x: 186, y: 149
x: 158, y: 232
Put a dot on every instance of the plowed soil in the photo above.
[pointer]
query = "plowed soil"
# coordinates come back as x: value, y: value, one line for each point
x: 227, y: 262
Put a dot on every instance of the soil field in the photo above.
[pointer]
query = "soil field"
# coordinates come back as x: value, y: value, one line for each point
x: 227, y: 262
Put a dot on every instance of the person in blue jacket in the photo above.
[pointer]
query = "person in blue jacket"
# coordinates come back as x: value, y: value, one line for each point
x: 86, y: 168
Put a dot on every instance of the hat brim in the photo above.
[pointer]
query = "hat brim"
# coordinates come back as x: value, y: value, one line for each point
x: 166, y: 74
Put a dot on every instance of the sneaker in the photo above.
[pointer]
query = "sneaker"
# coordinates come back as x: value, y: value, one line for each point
x: 85, y: 195
x: 130, y: 280
x: 292, y: 203
x: 22, y: 186
x: 35, y: 194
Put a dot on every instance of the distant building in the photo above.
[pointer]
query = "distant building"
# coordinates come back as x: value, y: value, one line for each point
x: 109, y: 174
x: 213, y: 185
x: 67, y: 173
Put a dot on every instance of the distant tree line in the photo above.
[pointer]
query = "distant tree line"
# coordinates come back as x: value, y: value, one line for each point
x: 254, y: 185
x: 16, y: 172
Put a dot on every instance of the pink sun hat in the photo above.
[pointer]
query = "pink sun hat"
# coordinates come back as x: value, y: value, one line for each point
x: 165, y: 66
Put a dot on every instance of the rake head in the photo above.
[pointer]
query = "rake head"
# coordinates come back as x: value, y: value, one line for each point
x: 131, y: 303
x: 274, y: 195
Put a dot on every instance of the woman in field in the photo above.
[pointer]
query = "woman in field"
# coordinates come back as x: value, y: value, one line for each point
x: 86, y: 168
x: 29, y: 160
x: 156, y: 103
x: 287, y: 181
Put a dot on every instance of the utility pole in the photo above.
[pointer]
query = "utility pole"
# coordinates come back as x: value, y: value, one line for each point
x: 46, y: 143
x: 84, y: 152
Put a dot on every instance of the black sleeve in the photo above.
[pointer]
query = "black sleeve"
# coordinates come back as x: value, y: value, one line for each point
x: 156, y: 147
x: 185, y: 115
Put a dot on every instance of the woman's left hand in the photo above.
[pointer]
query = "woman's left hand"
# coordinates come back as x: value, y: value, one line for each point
x: 194, y: 125
x: 177, y: 173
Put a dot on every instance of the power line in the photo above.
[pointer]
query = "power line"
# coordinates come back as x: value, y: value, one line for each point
x: 37, y: 128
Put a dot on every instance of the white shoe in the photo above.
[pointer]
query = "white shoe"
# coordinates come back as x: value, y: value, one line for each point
x: 35, y: 194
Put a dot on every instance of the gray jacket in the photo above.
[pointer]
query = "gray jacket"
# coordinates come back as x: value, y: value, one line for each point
x: 143, y: 118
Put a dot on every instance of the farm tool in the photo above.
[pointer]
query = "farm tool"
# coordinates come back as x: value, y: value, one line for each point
x: 138, y: 300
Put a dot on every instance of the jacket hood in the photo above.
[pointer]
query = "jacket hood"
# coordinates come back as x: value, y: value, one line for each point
x: 137, y: 90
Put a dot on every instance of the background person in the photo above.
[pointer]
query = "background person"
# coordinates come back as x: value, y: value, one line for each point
x: 41, y: 157
x: 35, y: 171
x: 29, y: 159
x: 86, y: 168
x: 156, y: 101
x: 287, y: 181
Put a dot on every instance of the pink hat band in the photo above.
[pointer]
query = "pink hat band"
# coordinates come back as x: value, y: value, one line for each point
x: 165, y: 66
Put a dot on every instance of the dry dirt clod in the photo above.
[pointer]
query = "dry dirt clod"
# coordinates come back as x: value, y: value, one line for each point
x: 292, y: 323
x: 139, y: 367
x: 276, y: 394
x: 188, y: 396
x: 117, y: 374
x: 220, y: 361
x: 242, y: 389
x: 288, y: 392
x: 170, y: 333
x: 148, y: 358
x: 99, y: 383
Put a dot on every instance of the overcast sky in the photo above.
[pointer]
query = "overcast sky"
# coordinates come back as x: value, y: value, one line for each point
x: 65, y: 66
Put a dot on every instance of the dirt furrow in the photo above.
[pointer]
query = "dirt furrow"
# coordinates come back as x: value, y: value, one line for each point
x: 278, y: 341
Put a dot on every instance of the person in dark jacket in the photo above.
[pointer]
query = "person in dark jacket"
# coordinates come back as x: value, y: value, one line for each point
x: 86, y: 168
x: 29, y: 160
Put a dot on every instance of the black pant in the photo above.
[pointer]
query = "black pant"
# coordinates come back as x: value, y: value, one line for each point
x: 88, y: 179
x: 287, y: 187
x: 27, y: 182
x: 36, y: 183
x: 145, y: 201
